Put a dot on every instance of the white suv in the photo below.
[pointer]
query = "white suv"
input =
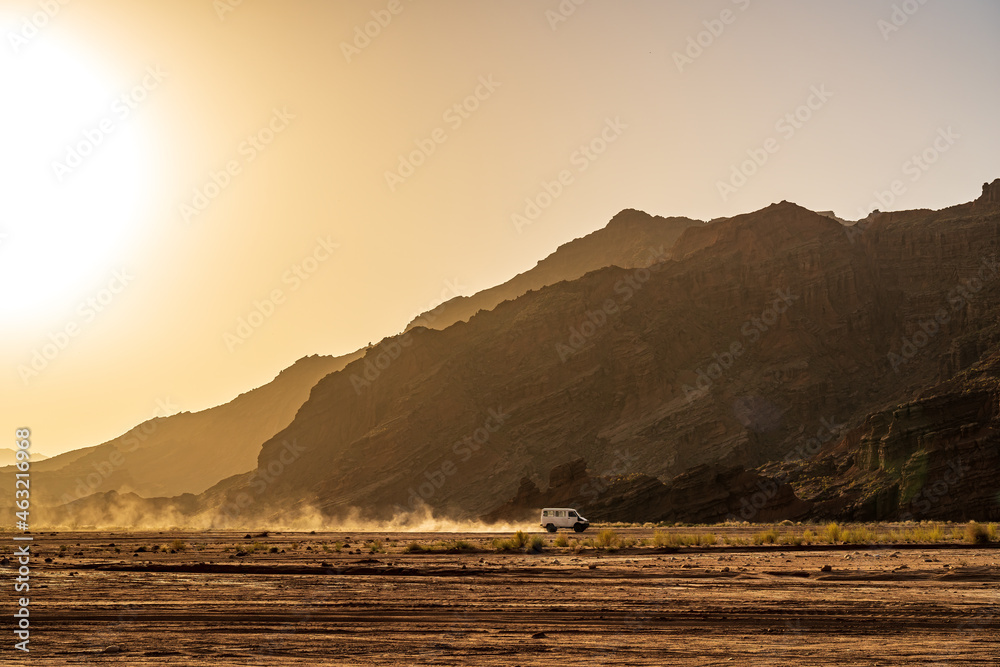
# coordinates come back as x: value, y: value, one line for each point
x: 554, y: 518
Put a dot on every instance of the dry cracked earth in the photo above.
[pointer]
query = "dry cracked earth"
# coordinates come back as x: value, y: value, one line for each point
x: 293, y: 599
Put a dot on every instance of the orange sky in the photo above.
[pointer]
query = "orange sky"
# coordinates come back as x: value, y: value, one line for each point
x: 169, y: 168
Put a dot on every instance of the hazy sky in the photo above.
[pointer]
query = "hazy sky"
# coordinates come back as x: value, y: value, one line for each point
x: 165, y: 166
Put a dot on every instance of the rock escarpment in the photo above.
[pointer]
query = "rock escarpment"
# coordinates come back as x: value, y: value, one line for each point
x: 846, y: 366
x: 764, y: 332
x: 704, y: 494
x: 632, y: 239
x: 935, y: 457
x: 185, y: 452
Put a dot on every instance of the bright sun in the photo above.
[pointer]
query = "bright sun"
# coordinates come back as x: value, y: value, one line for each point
x: 72, y: 176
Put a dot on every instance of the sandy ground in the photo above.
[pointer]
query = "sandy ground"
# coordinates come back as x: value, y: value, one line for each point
x: 220, y: 601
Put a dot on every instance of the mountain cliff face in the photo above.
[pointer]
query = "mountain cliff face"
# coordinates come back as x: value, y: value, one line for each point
x: 632, y: 239
x: 190, y: 453
x: 766, y: 337
x: 182, y: 453
x: 704, y: 494
x: 777, y: 364
x: 936, y: 456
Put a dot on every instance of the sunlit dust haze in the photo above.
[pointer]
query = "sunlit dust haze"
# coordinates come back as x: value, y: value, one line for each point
x: 126, y: 513
x: 327, y: 170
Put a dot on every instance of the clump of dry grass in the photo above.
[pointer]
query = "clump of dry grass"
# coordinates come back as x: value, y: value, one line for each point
x: 927, y: 533
x: 608, y: 539
x: 769, y: 536
x: 439, y: 547
x: 790, y: 539
x: 858, y: 535
x: 514, y: 543
x: 977, y: 533
x: 668, y: 539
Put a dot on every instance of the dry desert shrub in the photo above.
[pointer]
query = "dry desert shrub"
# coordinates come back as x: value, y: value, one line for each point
x: 766, y: 536
x: 977, y: 533
x: 608, y: 539
x: 517, y: 542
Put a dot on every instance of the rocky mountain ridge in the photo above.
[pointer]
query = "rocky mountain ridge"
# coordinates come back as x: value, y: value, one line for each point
x: 185, y: 452
x: 773, y: 350
x: 632, y: 239
x: 763, y: 329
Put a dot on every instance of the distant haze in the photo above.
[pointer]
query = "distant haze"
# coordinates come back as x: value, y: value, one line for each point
x: 9, y: 457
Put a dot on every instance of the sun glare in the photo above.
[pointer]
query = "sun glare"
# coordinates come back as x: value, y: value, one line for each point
x: 72, y: 175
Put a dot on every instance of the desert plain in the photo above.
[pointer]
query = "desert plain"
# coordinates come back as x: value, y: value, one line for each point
x: 457, y: 598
